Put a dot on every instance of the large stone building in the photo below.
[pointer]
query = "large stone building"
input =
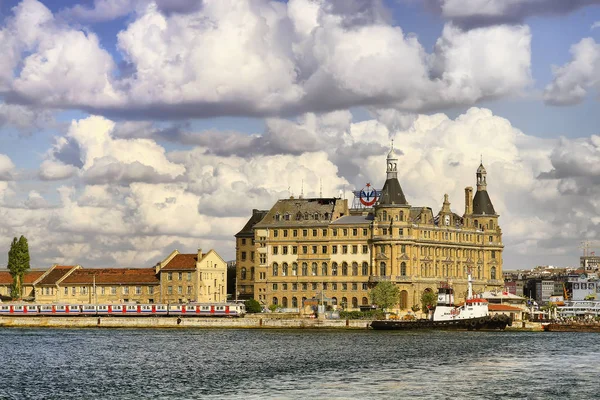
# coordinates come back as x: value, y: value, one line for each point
x: 179, y: 278
x: 319, y: 248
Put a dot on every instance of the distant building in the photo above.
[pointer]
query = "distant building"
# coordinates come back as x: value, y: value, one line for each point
x: 544, y: 289
x: 584, y: 289
x: 304, y: 248
x: 589, y: 262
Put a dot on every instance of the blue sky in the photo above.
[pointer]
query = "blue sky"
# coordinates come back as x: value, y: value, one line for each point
x: 239, y: 100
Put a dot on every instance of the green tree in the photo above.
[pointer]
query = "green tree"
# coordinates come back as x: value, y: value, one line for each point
x: 428, y: 300
x: 252, y: 306
x: 18, y: 264
x: 386, y: 294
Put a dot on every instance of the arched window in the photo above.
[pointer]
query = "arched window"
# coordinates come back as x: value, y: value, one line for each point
x: 304, y: 269
x: 275, y: 269
x: 436, y: 270
x: 401, y: 215
x: 403, y: 269
x: 354, y: 269
x: 354, y: 302
x: 403, y: 300
x: 243, y: 274
x: 422, y: 270
x: 284, y: 302
x: 384, y: 216
x: 303, y: 301
x: 294, y: 302
x: 365, y: 301
x: 345, y: 268
x: 365, y: 268
x: 493, y: 273
x: 334, y: 301
x: 324, y: 269
x: 252, y: 273
x: 491, y: 224
x: 344, y: 302
x: 334, y: 269
x: 382, y: 269
x: 275, y: 302
x: 294, y: 269
x: 314, y: 269
x: 284, y: 269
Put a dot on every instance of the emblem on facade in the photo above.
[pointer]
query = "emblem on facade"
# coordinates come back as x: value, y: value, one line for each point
x: 368, y: 196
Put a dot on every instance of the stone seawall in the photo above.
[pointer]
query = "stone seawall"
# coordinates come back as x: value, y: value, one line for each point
x: 174, y: 322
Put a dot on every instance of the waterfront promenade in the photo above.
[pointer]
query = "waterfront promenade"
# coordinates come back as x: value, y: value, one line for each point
x: 249, y: 322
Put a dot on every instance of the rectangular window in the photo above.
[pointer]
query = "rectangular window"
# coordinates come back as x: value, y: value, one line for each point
x: 113, y: 290
x: 493, y: 253
x: 314, y: 233
x: 324, y: 249
x: 66, y: 290
x: 189, y: 290
x: 284, y: 250
x: 354, y: 249
x: 73, y: 291
x: 294, y: 249
x: 180, y: 276
x: 275, y: 233
x: 102, y: 290
x: 138, y: 290
x: 314, y: 249
x: 274, y: 286
x: 125, y: 289
x: 385, y: 231
x: 285, y: 233
x: 324, y: 232
x: 169, y: 289
x: 180, y: 289
x: 284, y: 286
x: 344, y: 286
x: 365, y: 249
x: 365, y: 232
x: 364, y: 286
x: 189, y: 276
x: 314, y: 286
x: 304, y: 286
x: 401, y: 231
x: 170, y: 276
x: 344, y: 249
x: 294, y: 286
x: 491, y: 239
x: 345, y: 232
x: 334, y: 232
x: 402, y: 248
x: 354, y: 232
x: 243, y: 256
x: 84, y: 290
x: 304, y: 249
x: 243, y: 241
x: 304, y: 232
x: 263, y: 258
x: 324, y: 285
x: 334, y: 249
x: 275, y: 250
x: 334, y: 286
x: 295, y: 232
x: 150, y: 289
x: 355, y: 286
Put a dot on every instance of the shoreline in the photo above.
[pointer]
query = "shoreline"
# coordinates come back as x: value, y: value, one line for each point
x: 198, y: 322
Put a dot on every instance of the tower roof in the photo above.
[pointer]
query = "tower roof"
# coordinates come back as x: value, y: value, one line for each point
x: 482, y: 205
x: 392, y: 193
x: 481, y: 169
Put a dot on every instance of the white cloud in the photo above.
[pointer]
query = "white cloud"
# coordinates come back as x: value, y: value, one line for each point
x: 231, y: 57
x: 572, y: 80
x: 6, y: 168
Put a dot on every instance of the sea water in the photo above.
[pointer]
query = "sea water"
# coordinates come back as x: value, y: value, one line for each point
x: 295, y: 364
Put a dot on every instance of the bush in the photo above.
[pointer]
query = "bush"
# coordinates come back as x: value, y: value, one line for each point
x: 371, y: 314
x: 252, y: 306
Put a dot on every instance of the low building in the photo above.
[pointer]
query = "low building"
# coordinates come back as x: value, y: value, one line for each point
x: 27, y: 290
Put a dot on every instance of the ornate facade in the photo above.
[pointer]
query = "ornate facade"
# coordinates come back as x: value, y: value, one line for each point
x: 319, y: 248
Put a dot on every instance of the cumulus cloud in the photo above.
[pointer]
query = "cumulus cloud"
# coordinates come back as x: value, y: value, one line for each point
x: 474, y: 13
x: 267, y: 58
x: 572, y: 81
x: 102, y: 10
x: 6, y: 168
x: 24, y: 119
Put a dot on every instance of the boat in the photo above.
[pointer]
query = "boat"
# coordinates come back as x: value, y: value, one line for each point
x: 473, y: 314
x: 571, y: 327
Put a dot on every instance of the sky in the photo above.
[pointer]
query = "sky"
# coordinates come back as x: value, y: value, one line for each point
x: 129, y: 128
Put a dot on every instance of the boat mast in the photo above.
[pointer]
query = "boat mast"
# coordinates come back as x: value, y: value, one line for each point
x: 470, y: 285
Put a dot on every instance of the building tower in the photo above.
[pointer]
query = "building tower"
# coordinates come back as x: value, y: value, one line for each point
x: 484, y: 215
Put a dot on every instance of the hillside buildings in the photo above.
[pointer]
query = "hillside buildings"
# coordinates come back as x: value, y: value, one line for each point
x: 305, y: 248
x: 179, y: 278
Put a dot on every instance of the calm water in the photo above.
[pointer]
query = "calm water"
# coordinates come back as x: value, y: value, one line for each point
x: 256, y: 364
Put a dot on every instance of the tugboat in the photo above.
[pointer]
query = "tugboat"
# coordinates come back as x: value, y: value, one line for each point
x: 472, y: 315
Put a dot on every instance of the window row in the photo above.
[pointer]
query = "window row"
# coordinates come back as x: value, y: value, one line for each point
x: 315, y: 249
x: 102, y: 290
x: 179, y: 290
x: 294, y: 302
x: 335, y: 232
x: 320, y: 285
x: 179, y: 276
x: 344, y: 269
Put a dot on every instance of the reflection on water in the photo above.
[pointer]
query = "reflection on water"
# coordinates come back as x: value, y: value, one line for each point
x: 256, y: 364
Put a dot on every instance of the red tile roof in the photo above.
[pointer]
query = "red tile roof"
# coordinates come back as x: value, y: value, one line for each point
x: 112, y: 276
x: 503, y: 307
x: 28, y: 279
x: 56, y: 274
x: 182, y: 262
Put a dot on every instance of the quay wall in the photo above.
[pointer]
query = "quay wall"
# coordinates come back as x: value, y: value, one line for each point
x: 174, y: 322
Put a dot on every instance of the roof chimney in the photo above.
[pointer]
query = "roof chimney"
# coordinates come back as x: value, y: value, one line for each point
x: 468, y: 200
